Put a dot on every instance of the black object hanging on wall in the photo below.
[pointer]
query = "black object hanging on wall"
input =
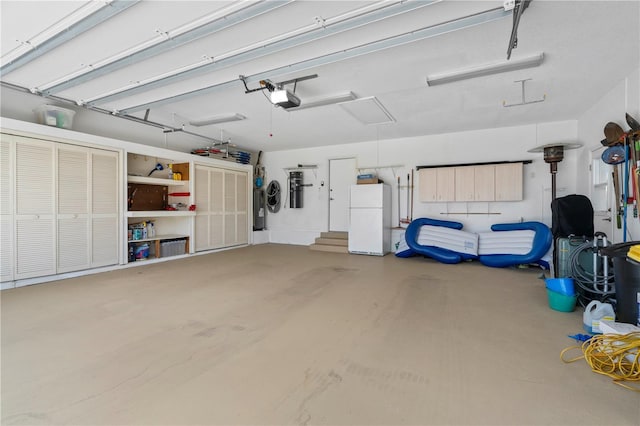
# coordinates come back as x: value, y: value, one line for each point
x: 296, y: 185
x: 259, y: 209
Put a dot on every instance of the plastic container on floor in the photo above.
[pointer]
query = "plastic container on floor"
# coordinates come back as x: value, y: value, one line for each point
x: 561, y: 285
x: 560, y: 302
x: 595, y: 312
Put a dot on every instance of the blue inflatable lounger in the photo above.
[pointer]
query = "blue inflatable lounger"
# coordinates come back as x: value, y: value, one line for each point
x: 514, y: 244
x: 441, y: 240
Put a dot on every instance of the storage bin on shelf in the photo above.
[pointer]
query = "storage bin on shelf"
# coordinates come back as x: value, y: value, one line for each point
x: 172, y: 247
x: 56, y: 116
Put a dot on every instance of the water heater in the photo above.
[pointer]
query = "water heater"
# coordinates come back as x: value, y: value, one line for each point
x: 295, y: 190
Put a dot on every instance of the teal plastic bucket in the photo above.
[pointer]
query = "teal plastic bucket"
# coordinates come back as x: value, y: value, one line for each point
x: 561, y: 302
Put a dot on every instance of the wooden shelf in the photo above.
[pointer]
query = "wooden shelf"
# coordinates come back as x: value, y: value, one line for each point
x: 160, y: 213
x: 160, y: 237
x: 157, y: 239
x: 156, y: 181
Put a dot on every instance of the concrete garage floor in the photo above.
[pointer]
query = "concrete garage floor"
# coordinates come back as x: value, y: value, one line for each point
x: 277, y: 334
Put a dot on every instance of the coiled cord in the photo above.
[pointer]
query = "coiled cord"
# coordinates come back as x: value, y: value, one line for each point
x: 273, y: 196
x: 612, y: 355
x: 584, y: 278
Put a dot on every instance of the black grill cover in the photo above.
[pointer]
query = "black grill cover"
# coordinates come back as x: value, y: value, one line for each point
x: 572, y: 215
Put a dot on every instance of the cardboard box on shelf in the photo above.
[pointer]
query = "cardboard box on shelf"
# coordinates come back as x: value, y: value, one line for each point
x: 369, y: 181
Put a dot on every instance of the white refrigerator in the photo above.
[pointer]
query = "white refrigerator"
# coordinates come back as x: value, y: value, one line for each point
x: 370, y: 219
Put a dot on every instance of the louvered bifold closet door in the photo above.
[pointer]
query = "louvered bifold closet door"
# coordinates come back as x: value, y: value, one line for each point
x: 35, y: 226
x: 74, y: 232
x: 216, y: 216
x: 104, y: 208
x: 201, y: 186
x: 230, y: 235
x: 6, y: 208
x: 242, y: 211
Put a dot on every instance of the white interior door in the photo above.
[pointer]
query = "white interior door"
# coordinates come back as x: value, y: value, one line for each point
x: 342, y: 174
x: 601, y: 195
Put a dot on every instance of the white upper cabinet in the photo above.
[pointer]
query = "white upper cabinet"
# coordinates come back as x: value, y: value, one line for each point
x: 486, y: 182
x: 509, y: 182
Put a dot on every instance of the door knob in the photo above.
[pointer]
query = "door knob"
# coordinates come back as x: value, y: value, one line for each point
x: 608, y: 219
x: 330, y: 199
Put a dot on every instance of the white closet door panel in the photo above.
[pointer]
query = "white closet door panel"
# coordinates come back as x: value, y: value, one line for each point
x: 229, y: 192
x: 6, y: 171
x: 216, y: 191
x: 242, y: 227
x: 72, y: 181
x: 216, y: 230
x: 202, y: 189
x: 73, y: 244
x: 35, y: 247
x: 202, y: 232
x: 230, y: 236
x: 104, y: 182
x: 241, y: 192
x: 6, y: 248
x: 35, y: 190
x: 104, y: 241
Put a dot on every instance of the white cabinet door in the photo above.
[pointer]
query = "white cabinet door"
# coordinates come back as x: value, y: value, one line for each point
x: 87, y: 208
x: 465, y: 183
x: 484, y: 181
x: 230, y: 209
x: 73, y: 240
x: 222, y: 221
x: 202, y: 200
x: 242, y: 208
x: 508, y: 180
x: 428, y: 184
x: 216, y: 213
x: 445, y: 181
x: 105, y: 207
x: 210, y: 215
x: 6, y: 209
x: 35, y: 226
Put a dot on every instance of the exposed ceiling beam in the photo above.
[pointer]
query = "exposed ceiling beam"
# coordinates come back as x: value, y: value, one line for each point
x: 341, y: 55
x: 73, y: 26
x: 297, y: 37
x: 215, y: 22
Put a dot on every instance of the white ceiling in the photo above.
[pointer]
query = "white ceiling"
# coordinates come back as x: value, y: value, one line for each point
x: 589, y: 46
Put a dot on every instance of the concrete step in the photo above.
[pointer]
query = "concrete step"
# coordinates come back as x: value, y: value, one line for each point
x: 331, y: 249
x: 332, y: 241
x: 335, y: 235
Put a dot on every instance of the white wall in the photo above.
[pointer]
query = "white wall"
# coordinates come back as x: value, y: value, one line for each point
x: 623, y: 98
x: 301, y: 226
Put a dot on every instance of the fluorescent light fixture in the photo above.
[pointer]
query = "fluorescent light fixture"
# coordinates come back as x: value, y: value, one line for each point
x: 225, y: 118
x: 325, y: 100
x: 368, y: 111
x: 487, y: 69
